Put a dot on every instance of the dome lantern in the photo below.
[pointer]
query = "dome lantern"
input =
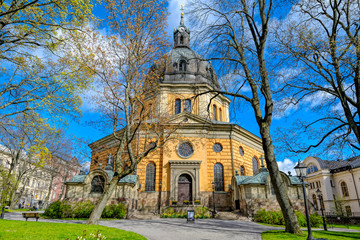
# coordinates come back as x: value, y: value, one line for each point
x: 182, y: 33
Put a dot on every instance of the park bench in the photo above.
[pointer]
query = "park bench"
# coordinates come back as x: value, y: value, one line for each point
x: 27, y: 215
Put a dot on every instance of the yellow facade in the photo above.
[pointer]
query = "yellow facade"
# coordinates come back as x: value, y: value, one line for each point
x: 204, y: 128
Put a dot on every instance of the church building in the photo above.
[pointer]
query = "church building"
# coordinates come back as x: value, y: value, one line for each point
x: 211, y: 152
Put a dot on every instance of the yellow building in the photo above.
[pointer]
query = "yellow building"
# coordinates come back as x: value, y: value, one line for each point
x: 210, y: 150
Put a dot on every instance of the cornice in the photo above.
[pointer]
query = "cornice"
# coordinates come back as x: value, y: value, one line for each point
x: 198, y: 87
x: 185, y: 162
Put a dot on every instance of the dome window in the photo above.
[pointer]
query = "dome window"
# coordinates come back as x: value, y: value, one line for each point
x: 181, y: 40
x: 182, y: 66
x: 187, y: 105
x: 177, y: 106
x: 215, y: 112
x: 312, y: 169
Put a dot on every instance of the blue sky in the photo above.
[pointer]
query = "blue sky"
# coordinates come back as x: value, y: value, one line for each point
x: 244, y: 114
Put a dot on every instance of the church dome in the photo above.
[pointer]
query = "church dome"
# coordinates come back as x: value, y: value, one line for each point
x: 184, y: 65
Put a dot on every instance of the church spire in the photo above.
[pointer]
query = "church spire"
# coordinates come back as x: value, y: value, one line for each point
x: 182, y: 33
x: 182, y: 15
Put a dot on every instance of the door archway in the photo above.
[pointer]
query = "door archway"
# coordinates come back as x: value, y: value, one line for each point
x: 184, y: 188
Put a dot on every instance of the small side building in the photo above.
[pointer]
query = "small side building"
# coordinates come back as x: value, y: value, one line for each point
x: 91, y: 186
x: 252, y: 193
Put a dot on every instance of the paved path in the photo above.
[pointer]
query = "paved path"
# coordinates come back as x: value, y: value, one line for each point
x: 202, y: 229
x: 178, y: 229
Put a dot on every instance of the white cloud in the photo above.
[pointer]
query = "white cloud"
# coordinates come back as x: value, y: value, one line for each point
x: 286, y: 166
x: 85, y: 166
x: 233, y: 81
x: 284, y: 107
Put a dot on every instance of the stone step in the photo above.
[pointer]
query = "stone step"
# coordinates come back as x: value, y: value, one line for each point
x: 142, y: 216
x: 231, y: 216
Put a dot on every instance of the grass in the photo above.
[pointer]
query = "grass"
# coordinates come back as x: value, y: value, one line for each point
x: 42, y: 216
x: 14, y: 230
x: 355, y: 227
x: 18, y: 210
x: 280, y: 234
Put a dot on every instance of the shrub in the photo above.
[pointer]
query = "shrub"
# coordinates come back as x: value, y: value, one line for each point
x: 301, y: 218
x: 200, y: 212
x: 263, y: 216
x: 276, y: 218
x: 54, y: 210
x: 315, y: 220
x: 58, y: 209
x: 114, y: 211
x: 65, y: 209
x: 82, y: 209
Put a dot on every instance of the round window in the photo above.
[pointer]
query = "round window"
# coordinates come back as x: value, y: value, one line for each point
x: 241, y: 151
x: 217, y: 147
x: 185, y: 150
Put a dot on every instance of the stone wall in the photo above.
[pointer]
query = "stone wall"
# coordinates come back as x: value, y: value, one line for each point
x: 251, y: 206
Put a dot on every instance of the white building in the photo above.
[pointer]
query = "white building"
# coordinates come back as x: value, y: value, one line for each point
x: 339, y: 181
x: 37, y: 182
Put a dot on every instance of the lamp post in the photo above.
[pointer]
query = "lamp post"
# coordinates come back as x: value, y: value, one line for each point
x: 159, y: 209
x: 300, y: 169
x: 319, y: 194
x: 213, y: 187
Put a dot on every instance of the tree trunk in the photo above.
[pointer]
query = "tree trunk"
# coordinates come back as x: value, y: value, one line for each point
x: 101, y: 204
x: 281, y: 190
x: 48, y: 195
x: 15, y: 199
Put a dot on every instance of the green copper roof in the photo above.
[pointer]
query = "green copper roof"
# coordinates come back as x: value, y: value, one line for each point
x: 110, y: 174
x: 261, y: 178
x: 127, y: 179
x: 240, y: 179
x: 294, y: 180
x: 78, y: 178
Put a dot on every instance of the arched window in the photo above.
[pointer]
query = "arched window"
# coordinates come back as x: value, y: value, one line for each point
x: 218, y: 177
x: 242, y: 171
x: 311, y: 169
x: 181, y: 40
x: 187, y: 105
x: 344, y: 189
x: 241, y: 151
x: 150, y: 177
x: 150, y: 111
x: 255, y: 166
x: 177, y: 106
x: 182, y: 66
x: 98, y: 184
x: 214, y: 112
x: 315, y: 201
x: 220, y: 114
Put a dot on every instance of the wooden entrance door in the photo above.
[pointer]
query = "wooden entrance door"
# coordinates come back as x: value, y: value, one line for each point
x: 184, y: 188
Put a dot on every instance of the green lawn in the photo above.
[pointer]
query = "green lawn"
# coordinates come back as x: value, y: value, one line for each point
x: 356, y: 227
x: 18, y: 210
x: 280, y: 234
x: 13, y: 230
x: 329, y: 226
